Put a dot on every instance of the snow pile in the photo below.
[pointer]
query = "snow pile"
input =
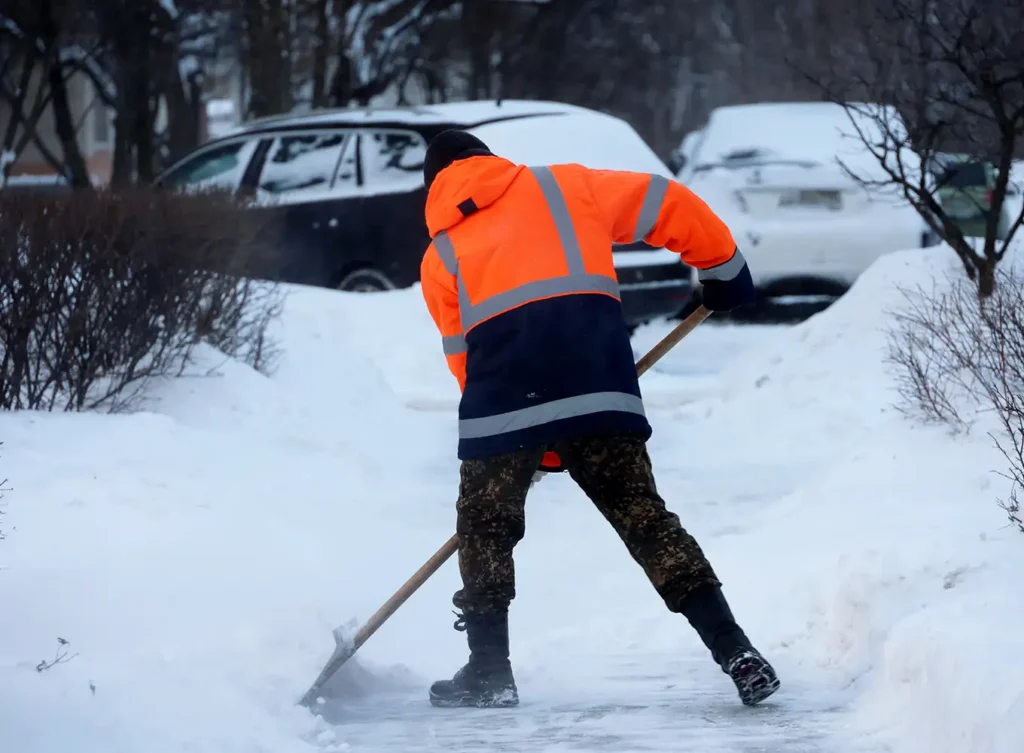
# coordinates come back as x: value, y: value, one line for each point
x: 197, y: 554
x: 903, y: 578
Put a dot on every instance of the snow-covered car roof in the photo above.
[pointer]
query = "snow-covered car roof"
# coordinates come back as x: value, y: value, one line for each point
x: 817, y: 132
x: 463, y: 113
x: 509, y: 127
x: 581, y: 136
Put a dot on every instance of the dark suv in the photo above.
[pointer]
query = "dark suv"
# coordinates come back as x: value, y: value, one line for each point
x: 345, y: 196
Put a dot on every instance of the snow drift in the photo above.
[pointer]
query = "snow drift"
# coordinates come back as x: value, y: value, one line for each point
x: 196, y: 554
x: 904, y: 574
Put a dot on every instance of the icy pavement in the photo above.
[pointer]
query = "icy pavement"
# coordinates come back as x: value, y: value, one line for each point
x: 653, y: 704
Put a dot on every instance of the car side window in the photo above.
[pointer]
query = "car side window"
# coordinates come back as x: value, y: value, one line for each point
x: 220, y: 167
x: 303, y: 166
x: 392, y: 160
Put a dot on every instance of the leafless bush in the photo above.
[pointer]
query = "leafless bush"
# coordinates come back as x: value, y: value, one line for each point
x: 60, y: 657
x: 957, y: 357
x: 102, y: 291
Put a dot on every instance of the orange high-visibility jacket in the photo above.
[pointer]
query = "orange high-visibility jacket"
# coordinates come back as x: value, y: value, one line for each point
x: 520, y: 281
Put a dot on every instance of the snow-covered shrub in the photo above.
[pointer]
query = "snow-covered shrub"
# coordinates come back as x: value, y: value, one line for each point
x: 959, y: 359
x: 102, y: 291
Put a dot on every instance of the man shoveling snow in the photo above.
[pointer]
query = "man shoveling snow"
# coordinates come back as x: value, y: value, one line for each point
x: 520, y: 280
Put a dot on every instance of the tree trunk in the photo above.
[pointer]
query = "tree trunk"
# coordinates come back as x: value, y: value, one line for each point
x: 341, y: 83
x: 182, y: 120
x: 143, y: 123
x: 477, y: 40
x: 16, y: 106
x: 267, y: 57
x: 322, y: 45
x: 180, y: 92
x: 64, y: 124
x: 986, y: 277
x: 121, y: 173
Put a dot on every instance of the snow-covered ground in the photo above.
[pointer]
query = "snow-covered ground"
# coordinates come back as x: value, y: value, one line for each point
x: 197, y: 555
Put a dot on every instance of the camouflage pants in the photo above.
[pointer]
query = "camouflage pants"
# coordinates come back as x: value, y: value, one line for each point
x: 616, y: 474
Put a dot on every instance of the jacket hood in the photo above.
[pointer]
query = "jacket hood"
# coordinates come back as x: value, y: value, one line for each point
x: 480, y: 179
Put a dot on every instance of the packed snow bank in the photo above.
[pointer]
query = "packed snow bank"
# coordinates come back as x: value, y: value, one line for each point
x: 903, y: 579
x: 196, y: 555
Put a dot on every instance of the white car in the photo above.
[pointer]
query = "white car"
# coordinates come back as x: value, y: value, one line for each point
x: 772, y: 172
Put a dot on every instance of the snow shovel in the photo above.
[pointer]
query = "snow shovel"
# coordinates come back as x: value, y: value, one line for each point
x: 346, y: 645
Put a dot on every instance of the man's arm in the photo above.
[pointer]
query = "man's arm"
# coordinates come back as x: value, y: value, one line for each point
x: 667, y: 214
x: 441, y: 296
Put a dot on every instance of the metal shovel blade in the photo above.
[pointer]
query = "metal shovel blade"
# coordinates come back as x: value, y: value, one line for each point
x: 346, y: 644
x: 344, y: 649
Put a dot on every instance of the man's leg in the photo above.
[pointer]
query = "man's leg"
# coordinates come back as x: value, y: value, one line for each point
x: 616, y: 473
x: 491, y: 521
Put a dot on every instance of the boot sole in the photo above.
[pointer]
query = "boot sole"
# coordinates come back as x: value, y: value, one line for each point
x: 755, y: 680
x: 502, y: 701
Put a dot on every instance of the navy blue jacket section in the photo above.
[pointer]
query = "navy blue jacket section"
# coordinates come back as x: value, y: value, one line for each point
x: 548, y: 350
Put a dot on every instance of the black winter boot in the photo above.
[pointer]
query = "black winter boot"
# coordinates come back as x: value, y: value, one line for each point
x: 486, y: 681
x: 709, y: 614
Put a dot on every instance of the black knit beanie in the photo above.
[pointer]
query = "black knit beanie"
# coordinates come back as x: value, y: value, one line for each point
x: 447, y: 147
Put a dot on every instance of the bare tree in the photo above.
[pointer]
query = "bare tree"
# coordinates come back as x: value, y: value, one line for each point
x: 661, y: 64
x: 382, y: 48
x: 35, y: 38
x: 921, y: 79
x: 147, y: 57
x: 196, y: 38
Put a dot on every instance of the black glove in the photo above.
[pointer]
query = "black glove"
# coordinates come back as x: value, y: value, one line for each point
x: 723, y: 295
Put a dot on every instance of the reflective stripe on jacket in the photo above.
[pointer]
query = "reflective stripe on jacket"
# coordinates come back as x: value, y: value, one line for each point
x: 519, y: 279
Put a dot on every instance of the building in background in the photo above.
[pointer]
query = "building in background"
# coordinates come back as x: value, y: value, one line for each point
x: 94, y: 124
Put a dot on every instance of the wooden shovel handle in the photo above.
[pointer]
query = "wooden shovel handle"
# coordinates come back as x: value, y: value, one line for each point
x: 669, y: 341
x: 410, y: 587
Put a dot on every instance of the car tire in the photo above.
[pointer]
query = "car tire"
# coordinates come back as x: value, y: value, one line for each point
x: 365, y: 280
